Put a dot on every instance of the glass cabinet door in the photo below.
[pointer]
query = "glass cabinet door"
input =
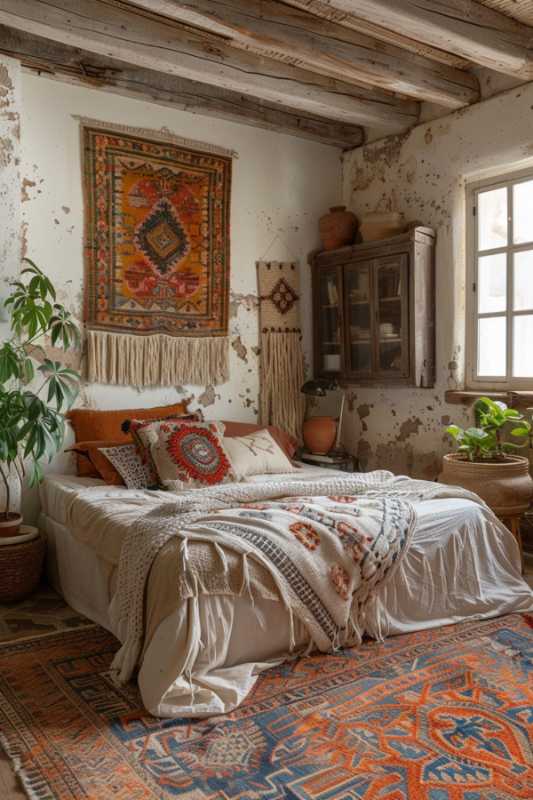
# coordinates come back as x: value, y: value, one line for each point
x: 359, y: 318
x: 391, y: 297
x: 328, y: 312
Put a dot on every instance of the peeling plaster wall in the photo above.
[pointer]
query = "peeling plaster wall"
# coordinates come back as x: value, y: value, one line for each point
x: 10, y: 219
x: 423, y: 174
x: 10, y: 227
x: 281, y: 185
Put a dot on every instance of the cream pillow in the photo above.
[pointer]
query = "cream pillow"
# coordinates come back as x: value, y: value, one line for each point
x: 256, y: 454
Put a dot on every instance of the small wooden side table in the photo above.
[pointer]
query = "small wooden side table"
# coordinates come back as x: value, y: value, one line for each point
x: 341, y: 461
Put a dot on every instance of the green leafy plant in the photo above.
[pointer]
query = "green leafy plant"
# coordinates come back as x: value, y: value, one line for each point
x: 487, y: 440
x: 32, y: 421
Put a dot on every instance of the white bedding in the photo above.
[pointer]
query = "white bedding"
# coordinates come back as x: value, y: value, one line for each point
x: 204, y: 658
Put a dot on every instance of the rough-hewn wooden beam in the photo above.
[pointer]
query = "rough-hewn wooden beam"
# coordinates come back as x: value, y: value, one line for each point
x: 115, y: 29
x: 464, y: 27
x: 69, y: 63
x: 274, y: 30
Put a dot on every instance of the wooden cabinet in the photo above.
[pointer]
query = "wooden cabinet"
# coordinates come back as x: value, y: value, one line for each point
x: 374, y: 311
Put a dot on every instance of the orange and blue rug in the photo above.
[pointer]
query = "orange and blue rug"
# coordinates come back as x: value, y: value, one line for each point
x: 438, y: 715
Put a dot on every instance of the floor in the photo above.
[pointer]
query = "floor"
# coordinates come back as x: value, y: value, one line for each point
x: 45, y: 613
x: 41, y: 614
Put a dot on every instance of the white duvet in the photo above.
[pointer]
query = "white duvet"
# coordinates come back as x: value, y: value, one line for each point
x: 205, y: 656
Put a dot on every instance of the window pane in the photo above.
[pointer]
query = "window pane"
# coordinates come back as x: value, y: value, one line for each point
x: 523, y: 212
x: 492, y: 283
x: 492, y: 219
x: 523, y: 280
x: 492, y: 347
x: 523, y: 347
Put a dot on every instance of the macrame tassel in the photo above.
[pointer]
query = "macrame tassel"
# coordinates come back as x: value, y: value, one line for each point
x: 160, y: 360
x: 282, y: 376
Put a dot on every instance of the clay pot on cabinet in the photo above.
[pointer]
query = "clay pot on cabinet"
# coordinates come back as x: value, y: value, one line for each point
x: 338, y: 228
x: 319, y: 434
x: 505, y: 486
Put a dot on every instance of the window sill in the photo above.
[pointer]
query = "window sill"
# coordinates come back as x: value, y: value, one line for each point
x: 512, y: 397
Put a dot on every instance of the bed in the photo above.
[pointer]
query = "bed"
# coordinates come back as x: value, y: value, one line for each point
x: 203, y: 654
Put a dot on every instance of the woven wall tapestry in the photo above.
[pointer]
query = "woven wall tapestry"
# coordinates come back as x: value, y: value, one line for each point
x: 281, y: 360
x: 157, y: 257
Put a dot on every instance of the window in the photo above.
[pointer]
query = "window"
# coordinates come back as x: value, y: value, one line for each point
x: 500, y: 302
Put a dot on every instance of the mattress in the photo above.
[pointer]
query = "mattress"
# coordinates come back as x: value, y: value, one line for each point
x: 204, y: 658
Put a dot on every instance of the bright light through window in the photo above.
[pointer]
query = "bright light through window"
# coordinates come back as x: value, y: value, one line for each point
x: 501, y: 350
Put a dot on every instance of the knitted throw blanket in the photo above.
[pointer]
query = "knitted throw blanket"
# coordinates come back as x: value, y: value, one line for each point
x: 327, y: 544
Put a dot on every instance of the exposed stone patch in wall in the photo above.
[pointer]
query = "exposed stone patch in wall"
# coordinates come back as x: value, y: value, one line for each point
x: 240, y: 349
x: 208, y: 397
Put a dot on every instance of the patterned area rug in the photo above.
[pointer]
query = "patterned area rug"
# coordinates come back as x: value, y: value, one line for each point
x: 42, y: 613
x: 439, y: 715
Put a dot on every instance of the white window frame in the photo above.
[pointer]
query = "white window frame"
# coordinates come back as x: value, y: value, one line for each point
x: 487, y: 383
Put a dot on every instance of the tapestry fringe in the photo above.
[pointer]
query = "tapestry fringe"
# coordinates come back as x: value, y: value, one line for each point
x: 282, y: 376
x: 162, y: 135
x: 158, y: 360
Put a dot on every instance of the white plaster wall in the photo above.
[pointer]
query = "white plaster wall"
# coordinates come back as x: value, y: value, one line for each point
x: 281, y: 185
x: 423, y: 175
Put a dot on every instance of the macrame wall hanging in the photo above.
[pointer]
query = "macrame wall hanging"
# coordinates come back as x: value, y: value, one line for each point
x: 157, y: 257
x: 281, y: 360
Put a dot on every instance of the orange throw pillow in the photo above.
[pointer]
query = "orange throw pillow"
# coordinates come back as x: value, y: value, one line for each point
x: 97, y: 464
x: 92, y: 425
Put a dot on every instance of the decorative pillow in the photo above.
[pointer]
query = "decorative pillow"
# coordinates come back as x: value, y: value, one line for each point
x: 145, y: 433
x: 256, y: 454
x: 287, y: 442
x: 91, y: 425
x: 97, y: 464
x: 190, y: 455
x: 127, y: 463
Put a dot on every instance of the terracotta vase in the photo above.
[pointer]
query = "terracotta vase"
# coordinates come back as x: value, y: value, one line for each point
x: 506, y: 487
x: 10, y: 526
x: 338, y: 228
x: 319, y: 434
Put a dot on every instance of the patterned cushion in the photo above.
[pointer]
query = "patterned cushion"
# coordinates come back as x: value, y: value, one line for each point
x: 91, y: 425
x: 189, y: 455
x: 287, y: 442
x: 128, y: 464
x: 256, y: 454
x: 145, y: 433
x: 98, y: 464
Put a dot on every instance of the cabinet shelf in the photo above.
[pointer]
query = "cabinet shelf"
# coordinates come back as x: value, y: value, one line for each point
x: 397, y: 274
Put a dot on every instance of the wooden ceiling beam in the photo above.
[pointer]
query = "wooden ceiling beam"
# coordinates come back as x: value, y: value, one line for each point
x: 276, y: 31
x: 464, y: 27
x: 75, y: 65
x: 115, y: 29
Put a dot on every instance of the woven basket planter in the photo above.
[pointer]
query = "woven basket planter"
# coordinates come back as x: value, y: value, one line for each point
x: 21, y: 566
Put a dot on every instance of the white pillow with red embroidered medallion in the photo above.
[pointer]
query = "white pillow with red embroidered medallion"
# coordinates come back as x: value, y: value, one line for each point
x: 257, y: 454
x: 189, y: 455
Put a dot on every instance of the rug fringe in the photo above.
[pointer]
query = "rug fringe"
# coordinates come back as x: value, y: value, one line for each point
x: 129, y: 360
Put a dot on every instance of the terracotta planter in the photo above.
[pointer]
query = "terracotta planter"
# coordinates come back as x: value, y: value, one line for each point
x: 10, y: 527
x: 319, y: 434
x: 338, y: 228
x: 506, y: 487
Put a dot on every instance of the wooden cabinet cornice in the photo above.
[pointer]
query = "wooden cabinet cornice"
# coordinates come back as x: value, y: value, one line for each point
x: 374, y: 311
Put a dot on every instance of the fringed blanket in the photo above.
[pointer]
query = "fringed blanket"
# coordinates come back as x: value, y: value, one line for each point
x: 327, y: 545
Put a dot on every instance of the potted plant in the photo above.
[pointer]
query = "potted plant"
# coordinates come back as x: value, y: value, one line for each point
x: 487, y: 462
x: 34, y: 390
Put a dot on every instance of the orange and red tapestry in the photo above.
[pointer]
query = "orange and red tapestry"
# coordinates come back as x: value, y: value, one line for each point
x: 157, y: 258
